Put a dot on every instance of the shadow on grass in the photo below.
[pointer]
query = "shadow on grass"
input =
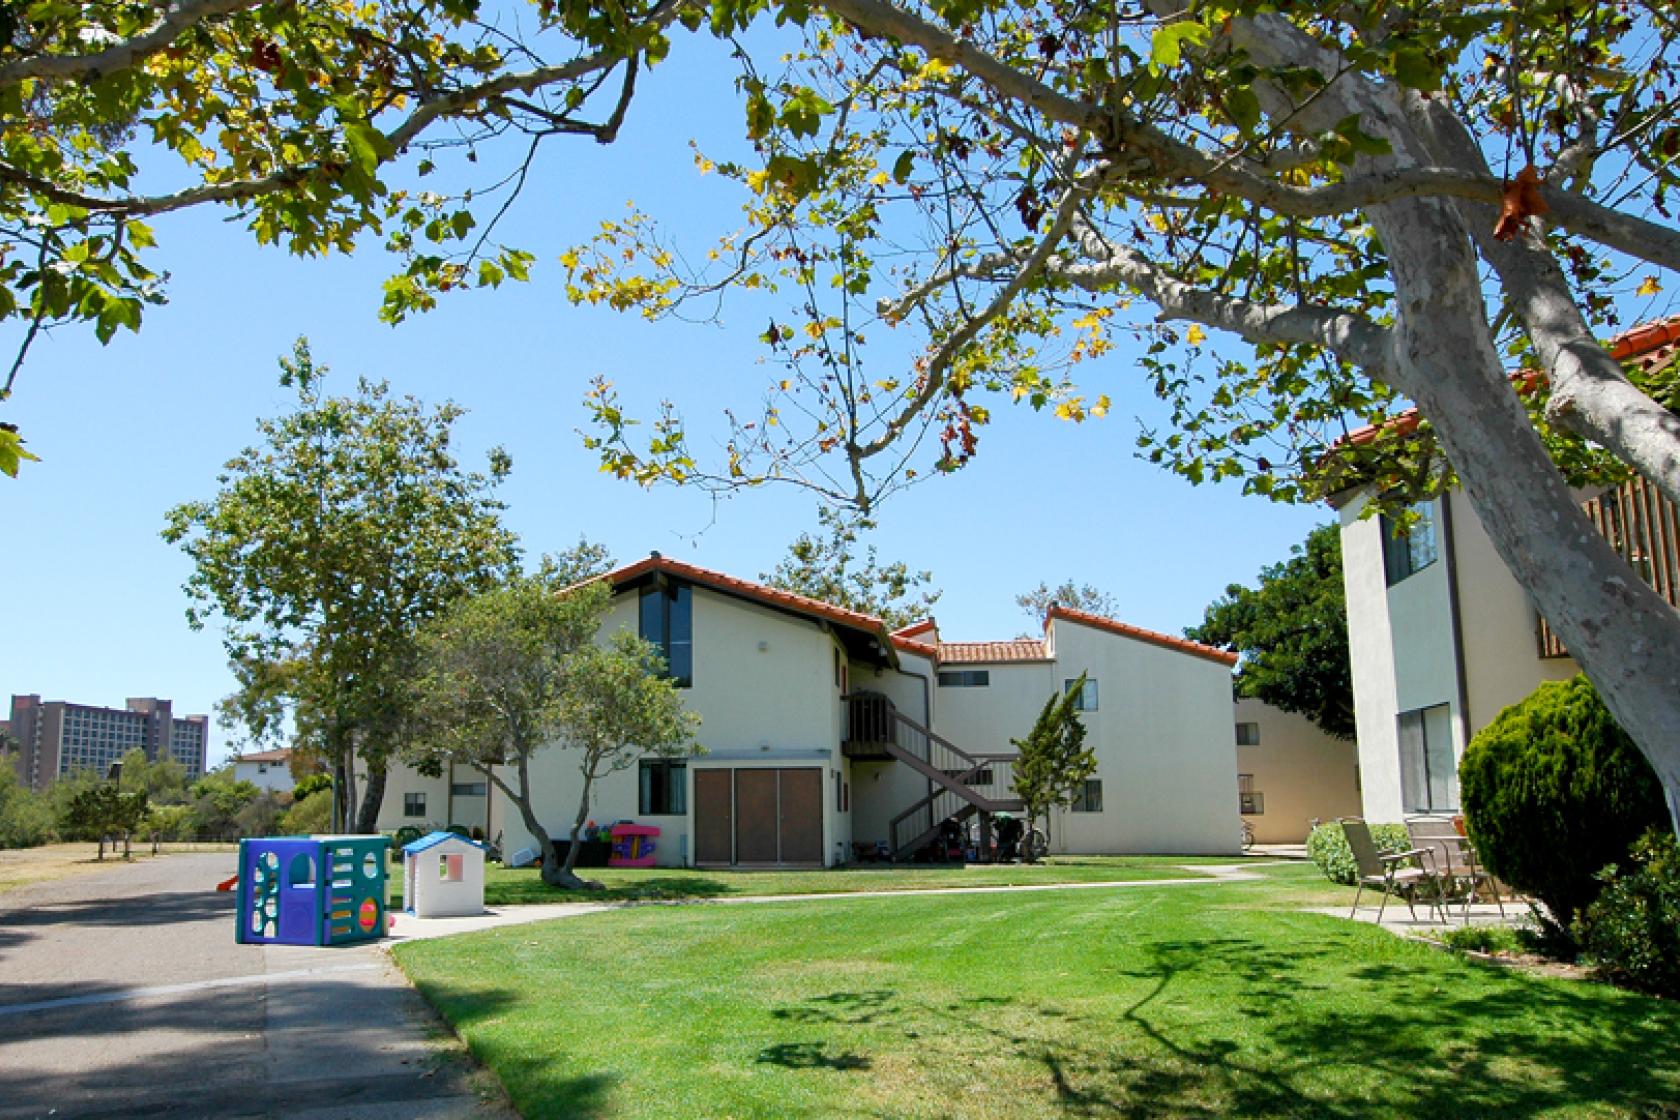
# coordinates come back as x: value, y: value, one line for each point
x: 810, y: 1055
x: 1240, y: 1027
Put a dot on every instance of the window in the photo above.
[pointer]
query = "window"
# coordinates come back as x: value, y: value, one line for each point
x: 1250, y: 801
x: 1087, y: 701
x: 664, y: 784
x: 414, y: 804
x: 667, y: 620
x: 1428, y: 770
x: 965, y: 678
x: 1090, y: 798
x: 1248, y: 734
x: 1407, y: 551
x: 467, y: 789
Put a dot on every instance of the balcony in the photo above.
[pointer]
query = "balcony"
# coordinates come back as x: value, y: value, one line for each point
x: 1644, y: 527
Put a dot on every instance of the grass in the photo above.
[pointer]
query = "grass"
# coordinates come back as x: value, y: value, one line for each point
x: 1186, y: 1001
x: 514, y: 887
x: 22, y: 866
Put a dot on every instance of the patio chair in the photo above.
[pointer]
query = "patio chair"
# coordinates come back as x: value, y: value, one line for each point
x: 1388, y: 873
x: 1454, y: 860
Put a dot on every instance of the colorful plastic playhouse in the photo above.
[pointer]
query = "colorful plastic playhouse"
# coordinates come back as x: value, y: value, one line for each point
x: 443, y: 876
x: 311, y: 890
x: 632, y: 845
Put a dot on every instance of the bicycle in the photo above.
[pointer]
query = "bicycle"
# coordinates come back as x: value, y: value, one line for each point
x: 1247, y: 837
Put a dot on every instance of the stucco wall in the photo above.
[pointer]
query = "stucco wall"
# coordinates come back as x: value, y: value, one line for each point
x: 1371, y: 651
x: 1164, y: 742
x: 1301, y: 772
x: 1502, y: 662
x: 757, y: 706
x: 275, y: 776
x: 882, y: 790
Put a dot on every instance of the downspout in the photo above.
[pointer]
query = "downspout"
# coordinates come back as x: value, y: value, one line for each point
x: 1461, y: 680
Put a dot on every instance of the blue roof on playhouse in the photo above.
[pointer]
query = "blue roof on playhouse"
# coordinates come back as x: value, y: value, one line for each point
x: 433, y: 839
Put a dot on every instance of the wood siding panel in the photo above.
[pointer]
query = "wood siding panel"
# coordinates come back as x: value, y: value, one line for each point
x: 714, y: 817
x: 755, y: 816
x: 801, y: 817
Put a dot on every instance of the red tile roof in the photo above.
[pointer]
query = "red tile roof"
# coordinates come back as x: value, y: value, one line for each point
x: 916, y: 628
x: 1649, y: 345
x: 1126, y: 629
x: 1021, y: 649
x: 803, y: 604
x: 284, y: 754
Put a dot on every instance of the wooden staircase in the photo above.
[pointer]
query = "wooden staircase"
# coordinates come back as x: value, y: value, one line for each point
x: 960, y: 784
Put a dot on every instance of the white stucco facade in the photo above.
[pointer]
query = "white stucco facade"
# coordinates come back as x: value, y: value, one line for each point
x: 769, y: 678
x: 270, y: 771
x: 1446, y: 648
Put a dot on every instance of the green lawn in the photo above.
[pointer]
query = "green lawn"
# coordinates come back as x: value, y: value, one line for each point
x: 505, y: 887
x: 1194, y: 1001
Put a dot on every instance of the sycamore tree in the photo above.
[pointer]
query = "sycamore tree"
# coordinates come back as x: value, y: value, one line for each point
x: 516, y: 671
x: 1291, y: 630
x: 328, y: 543
x: 1306, y: 217
x: 1054, y: 762
x: 320, y: 125
x: 826, y: 565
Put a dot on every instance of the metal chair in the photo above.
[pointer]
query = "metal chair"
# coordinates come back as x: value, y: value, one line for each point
x: 1388, y: 872
x: 1454, y: 860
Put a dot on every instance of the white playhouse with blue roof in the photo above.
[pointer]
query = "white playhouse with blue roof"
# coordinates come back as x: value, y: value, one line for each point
x: 443, y: 876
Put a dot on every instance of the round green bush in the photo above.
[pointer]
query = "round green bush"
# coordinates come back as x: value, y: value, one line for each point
x: 1328, y: 848
x: 1553, y: 790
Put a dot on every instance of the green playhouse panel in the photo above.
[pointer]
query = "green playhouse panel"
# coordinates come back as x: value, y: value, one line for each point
x: 311, y: 890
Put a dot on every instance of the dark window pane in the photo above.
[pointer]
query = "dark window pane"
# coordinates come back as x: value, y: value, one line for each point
x: 653, y: 616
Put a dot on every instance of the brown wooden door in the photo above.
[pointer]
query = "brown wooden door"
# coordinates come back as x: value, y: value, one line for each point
x: 755, y: 817
x: 714, y: 817
x: 801, y: 816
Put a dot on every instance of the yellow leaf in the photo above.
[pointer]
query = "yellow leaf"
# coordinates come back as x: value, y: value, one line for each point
x: 1195, y: 334
x: 1649, y: 286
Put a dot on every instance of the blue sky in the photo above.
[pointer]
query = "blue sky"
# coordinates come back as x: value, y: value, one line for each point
x: 92, y: 608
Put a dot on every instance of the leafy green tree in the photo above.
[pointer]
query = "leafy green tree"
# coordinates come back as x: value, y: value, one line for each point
x: 310, y: 813
x: 1054, y: 761
x: 1292, y: 633
x: 26, y: 817
x: 1375, y: 207
x: 1078, y: 596
x: 168, y: 822
x: 583, y: 560
x: 308, y: 122
x: 826, y: 566
x: 163, y: 780
x: 524, y: 660
x: 329, y: 543
x: 216, y: 800
x: 102, y: 810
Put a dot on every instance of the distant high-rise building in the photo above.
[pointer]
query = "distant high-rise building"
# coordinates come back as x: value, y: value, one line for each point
x: 55, y: 737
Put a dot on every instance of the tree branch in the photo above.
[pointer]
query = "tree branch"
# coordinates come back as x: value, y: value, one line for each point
x: 120, y: 56
x: 1352, y: 338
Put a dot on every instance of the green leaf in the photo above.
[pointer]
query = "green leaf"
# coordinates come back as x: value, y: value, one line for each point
x: 1243, y: 108
x: 1167, y: 47
x: 367, y: 145
x: 1416, y: 70
x: 903, y: 166
x: 12, y: 451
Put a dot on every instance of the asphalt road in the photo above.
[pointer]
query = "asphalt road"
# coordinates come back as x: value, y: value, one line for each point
x: 124, y: 994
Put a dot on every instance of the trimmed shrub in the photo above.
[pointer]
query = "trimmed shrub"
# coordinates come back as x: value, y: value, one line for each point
x: 1632, y: 930
x: 1553, y: 791
x: 1329, y: 849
